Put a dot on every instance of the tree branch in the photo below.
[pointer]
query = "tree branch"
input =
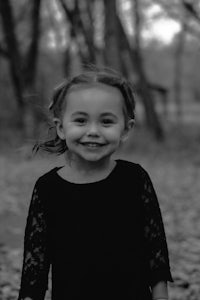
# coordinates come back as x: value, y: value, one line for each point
x: 4, y: 52
x: 70, y: 16
x: 32, y: 52
x: 191, y: 10
x: 76, y: 28
x: 11, y: 42
x: 175, y: 15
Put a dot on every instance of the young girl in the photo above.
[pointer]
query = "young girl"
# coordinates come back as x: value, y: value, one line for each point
x: 96, y: 221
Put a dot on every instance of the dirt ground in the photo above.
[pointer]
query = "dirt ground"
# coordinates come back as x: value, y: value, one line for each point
x: 174, y: 166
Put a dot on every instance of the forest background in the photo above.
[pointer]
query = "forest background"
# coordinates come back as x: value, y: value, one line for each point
x: 43, y: 41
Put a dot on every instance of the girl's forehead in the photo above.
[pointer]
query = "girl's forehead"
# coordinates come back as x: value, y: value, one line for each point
x: 95, y: 97
x: 104, y: 88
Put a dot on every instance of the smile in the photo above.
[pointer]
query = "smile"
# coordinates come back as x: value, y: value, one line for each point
x: 92, y: 144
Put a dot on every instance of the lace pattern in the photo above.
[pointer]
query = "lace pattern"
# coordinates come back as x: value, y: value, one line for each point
x: 154, y: 234
x: 36, y: 261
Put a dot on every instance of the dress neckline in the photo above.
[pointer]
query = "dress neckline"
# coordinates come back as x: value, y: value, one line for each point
x: 112, y: 172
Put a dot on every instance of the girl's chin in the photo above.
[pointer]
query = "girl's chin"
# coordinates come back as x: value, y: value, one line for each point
x: 91, y: 157
x: 96, y: 158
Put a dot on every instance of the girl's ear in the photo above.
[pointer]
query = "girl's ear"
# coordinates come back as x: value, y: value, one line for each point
x: 59, y: 128
x: 127, y: 129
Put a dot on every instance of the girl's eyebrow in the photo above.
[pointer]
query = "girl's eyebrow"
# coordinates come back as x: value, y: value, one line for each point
x: 105, y: 114
x: 79, y: 113
x: 108, y: 114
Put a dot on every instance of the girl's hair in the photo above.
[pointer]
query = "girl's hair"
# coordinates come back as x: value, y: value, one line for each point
x: 89, y: 76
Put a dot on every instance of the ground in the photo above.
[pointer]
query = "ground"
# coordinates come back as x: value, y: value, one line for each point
x: 174, y: 166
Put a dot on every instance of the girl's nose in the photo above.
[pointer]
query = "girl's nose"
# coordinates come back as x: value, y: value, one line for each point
x: 93, y: 130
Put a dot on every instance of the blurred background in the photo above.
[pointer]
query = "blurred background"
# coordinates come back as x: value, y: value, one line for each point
x: 153, y: 43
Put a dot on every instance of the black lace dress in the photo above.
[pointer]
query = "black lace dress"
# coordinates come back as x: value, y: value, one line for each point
x: 102, y: 240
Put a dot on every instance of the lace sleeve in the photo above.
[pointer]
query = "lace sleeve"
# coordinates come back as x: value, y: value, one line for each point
x: 154, y: 235
x: 36, y: 260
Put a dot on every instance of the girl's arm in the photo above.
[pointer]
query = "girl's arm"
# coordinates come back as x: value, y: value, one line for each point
x: 159, y: 291
x: 36, y: 261
x: 157, y: 258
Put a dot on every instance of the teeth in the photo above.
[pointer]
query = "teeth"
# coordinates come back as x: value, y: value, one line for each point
x: 92, y: 145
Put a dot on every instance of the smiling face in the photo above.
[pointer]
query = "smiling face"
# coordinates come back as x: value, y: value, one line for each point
x: 93, y: 123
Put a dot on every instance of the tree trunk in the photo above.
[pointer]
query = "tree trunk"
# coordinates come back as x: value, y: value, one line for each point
x: 22, y: 66
x: 87, y: 27
x: 178, y: 68
x: 30, y: 65
x: 151, y: 115
x: 112, y: 54
x: 132, y: 61
x: 78, y: 28
x: 15, y: 61
x: 30, y: 70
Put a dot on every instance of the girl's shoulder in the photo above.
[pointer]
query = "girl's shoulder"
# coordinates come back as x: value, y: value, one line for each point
x: 47, y: 178
x: 129, y: 165
x: 132, y: 169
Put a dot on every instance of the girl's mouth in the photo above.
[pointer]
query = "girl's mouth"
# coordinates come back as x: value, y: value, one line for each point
x: 92, y: 144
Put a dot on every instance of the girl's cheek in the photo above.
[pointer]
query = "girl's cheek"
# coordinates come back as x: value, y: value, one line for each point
x: 75, y: 131
x: 113, y: 133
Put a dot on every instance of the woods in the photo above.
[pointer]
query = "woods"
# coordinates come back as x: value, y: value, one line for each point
x: 88, y: 32
x: 153, y: 43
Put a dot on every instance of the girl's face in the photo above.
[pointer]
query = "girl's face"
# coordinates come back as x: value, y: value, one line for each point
x: 93, y: 123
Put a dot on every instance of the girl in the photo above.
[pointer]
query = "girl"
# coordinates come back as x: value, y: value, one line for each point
x: 95, y: 220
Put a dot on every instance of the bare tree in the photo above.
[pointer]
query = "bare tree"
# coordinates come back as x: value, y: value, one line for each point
x: 116, y: 47
x: 143, y: 83
x: 188, y: 15
x: 11, y: 49
x: 80, y: 22
x: 23, y: 63
x: 179, y: 66
x: 111, y: 36
x: 173, y: 9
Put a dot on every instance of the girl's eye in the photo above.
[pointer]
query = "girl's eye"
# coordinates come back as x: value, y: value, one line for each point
x: 80, y: 121
x: 107, y: 122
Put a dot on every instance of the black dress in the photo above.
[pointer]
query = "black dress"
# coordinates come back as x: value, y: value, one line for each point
x: 103, y: 240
